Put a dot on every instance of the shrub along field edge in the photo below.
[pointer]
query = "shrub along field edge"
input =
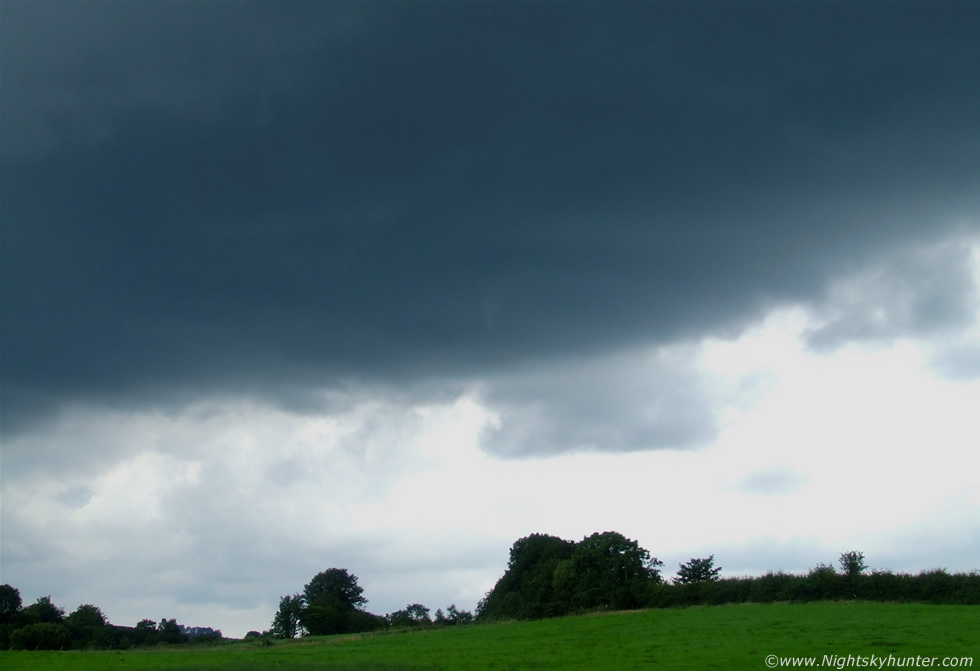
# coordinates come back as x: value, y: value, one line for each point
x: 737, y: 636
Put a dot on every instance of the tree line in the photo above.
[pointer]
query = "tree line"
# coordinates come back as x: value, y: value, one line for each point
x: 546, y: 576
x: 44, y: 626
x: 333, y: 603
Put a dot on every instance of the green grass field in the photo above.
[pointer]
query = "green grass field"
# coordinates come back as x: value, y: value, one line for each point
x: 722, y: 637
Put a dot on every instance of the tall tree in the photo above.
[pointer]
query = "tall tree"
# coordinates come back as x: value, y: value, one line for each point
x: 43, y: 610
x: 527, y: 590
x: 852, y: 563
x: 333, y: 601
x: 549, y: 576
x: 607, y: 570
x: 286, y: 623
x: 338, y: 584
x: 168, y: 631
x: 86, y: 615
x: 10, y: 602
x: 325, y: 615
x: 698, y: 570
x: 146, y: 626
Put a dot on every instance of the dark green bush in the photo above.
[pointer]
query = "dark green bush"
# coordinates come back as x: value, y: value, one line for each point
x: 41, y: 636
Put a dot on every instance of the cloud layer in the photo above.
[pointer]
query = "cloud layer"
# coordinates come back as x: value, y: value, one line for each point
x: 385, y: 286
x: 210, y: 514
x: 204, y: 199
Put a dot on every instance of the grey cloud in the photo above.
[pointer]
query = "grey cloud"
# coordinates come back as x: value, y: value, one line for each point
x: 639, y: 400
x: 959, y: 361
x: 76, y: 496
x: 916, y: 292
x: 271, y: 199
x: 774, y: 482
x: 68, y: 444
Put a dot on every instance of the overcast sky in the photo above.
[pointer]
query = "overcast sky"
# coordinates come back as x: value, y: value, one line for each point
x: 387, y: 286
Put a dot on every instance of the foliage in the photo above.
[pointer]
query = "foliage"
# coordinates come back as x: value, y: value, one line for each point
x: 44, y: 611
x: 85, y: 628
x: 168, y: 631
x: 339, y: 585
x: 86, y: 615
x: 414, y: 615
x: 330, y: 604
x: 698, y: 570
x: 41, y: 636
x: 527, y: 588
x: 823, y: 582
x: 88, y: 627
x: 10, y: 605
x: 737, y: 637
x: 10, y: 602
x: 286, y: 623
x: 606, y: 570
x: 772, y: 587
x: 326, y: 614
x: 547, y: 576
x: 146, y: 626
x: 852, y: 563
x: 453, y: 616
x: 360, y: 621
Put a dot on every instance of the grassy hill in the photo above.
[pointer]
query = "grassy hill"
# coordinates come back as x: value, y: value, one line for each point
x: 723, y: 637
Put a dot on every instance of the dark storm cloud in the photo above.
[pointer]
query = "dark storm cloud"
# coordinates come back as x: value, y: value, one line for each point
x: 264, y: 198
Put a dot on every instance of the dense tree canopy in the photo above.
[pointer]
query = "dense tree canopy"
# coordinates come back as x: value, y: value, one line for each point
x: 41, y: 636
x: 453, y: 616
x: 146, y: 625
x: 43, y: 626
x: 527, y: 588
x: 852, y: 563
x: 339, y: 585
x: 330, y: 604
x: 286, y: 623
x: 549, y: 576
x: 698, y: 570
x: 43, y: 610
x: 86, y: 615
x: 413, y: 615
x: 10, y: 602
x: 168, y: 631
x: 607, y: 570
